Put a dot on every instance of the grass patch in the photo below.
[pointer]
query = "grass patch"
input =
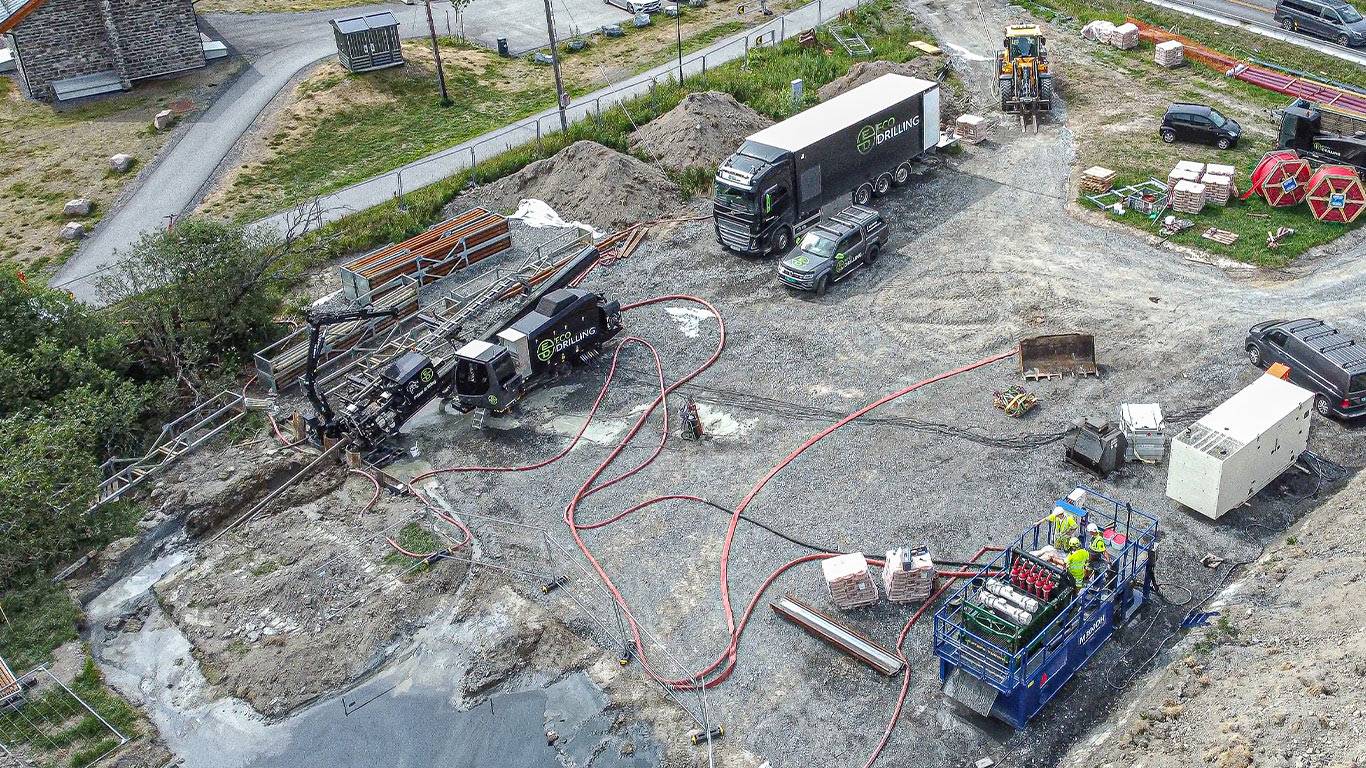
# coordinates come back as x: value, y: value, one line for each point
x: 413, y: 538
x: 764, y: 83
x: 80, y: 738
x: 41, y: 618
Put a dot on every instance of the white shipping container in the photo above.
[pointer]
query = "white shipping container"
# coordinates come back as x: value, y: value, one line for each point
x: 1232, y: 453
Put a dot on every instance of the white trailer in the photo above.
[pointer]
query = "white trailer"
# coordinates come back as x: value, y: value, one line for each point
x: 1232, y: 453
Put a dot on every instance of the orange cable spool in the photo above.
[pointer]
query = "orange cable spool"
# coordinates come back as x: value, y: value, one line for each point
x: 1335, y: 193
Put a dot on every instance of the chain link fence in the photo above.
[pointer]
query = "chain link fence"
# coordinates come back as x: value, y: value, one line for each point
x: 45, y: 723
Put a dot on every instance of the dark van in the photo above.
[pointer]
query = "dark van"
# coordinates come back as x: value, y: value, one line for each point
x: 1330, y: 364
x: 1335, y: 20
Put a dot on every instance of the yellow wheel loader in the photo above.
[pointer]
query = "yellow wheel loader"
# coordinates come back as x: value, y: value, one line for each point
x: 1024, y: 82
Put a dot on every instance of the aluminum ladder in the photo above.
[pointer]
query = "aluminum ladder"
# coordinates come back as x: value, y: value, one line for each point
x: 850, y: 40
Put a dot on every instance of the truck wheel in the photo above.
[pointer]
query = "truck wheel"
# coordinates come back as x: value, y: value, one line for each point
x: 863, y: 194
x: 882, y: 184
x: 902, y: 174
x: 1254, y: 355
x: 822, y: 284
x: 1046, y: 92
x: 781, y: 240
x: 873, y: 253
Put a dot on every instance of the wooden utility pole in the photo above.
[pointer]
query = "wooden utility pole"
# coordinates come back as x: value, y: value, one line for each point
x: 560, y: 97
x: 436, y: 54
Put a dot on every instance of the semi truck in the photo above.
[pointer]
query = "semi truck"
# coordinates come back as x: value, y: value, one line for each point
x: 860, y: 143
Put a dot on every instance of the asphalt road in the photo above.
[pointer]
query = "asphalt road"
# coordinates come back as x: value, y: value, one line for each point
x: 277, y: 46
x: 1259, y: 16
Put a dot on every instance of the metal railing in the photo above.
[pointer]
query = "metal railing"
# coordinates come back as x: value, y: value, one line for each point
x: 45, y: 721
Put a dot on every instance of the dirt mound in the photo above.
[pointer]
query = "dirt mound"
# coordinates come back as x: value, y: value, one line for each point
x: 952, y: 100
x: 585, y: 181
x: 923, y: 67
x: 702, y: 131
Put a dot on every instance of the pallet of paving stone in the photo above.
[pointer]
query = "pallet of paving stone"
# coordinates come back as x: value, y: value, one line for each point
x: 850, y: 583
x: 1170, y: 54
x: 1223, y: 170
x: 1125, y: 37
x: 972, y: 129
x: 1097, y: 179
x: 1188, y: 197
x: 909, y: 575
x: 1179, y: 175
x: 1218, y: 189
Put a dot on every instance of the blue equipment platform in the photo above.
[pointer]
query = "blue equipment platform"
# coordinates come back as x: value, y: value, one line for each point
x: 1012, y: 680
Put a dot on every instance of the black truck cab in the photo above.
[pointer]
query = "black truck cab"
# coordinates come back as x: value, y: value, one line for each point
x: 1303, y: 130
x: 753, y: 201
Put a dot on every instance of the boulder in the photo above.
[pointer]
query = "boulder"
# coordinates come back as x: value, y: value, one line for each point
x: 163, y: 119
x: 121, y: 163
x: 73, y: 231
x: 78, y: 207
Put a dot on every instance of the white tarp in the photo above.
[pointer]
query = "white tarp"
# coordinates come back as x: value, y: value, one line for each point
x: 1098, y: 30
x: 538, y: 213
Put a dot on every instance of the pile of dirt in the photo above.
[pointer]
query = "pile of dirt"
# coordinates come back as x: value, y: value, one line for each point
x: 953, y: 101
x: 702, y: 131
x: 585, y: 181
x: 1275, y: 679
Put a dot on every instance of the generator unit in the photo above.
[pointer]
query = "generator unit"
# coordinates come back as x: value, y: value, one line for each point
x: 1145, y: 433
x: 567, y: 328
x: 1011, y: 637
x: 1098, y: 447
x: 1225, y: 458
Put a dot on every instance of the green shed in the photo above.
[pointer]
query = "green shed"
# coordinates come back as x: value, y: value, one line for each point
x: 368, y: 42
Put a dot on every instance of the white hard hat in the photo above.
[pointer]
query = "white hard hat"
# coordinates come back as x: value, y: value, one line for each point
x: 1092, y: 528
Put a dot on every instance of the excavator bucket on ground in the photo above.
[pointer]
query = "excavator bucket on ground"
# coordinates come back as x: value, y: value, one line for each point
x: 1058, y: 355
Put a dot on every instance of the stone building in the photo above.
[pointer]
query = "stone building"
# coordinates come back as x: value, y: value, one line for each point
x: 66, y: 49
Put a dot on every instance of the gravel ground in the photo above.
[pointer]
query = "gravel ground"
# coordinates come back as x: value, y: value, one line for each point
x: 983, y: 253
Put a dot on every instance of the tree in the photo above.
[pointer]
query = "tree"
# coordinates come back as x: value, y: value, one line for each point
x: 203, y: 295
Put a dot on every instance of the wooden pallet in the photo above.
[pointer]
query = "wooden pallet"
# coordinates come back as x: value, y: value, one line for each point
x: 1220, y: 235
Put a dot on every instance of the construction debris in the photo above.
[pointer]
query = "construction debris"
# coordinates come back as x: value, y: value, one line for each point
x: 925, y: 47
x: 1098, y: 179
x: 1220, y: 235
x: 1172, y: 225
x: 1274, y: 239
x: 849, y: 582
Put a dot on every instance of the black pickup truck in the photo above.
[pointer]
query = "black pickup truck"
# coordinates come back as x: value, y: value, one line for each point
x: 835, y: 249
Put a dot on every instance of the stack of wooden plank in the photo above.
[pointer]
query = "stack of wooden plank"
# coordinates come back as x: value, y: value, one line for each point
x: 908, y: 575
x: 1125, y: 36
x: 1218, y: 189
x: 851, y: 584
x: 972, y: 129
x: 1188, y: 197
x: 453, y: 244
x: 1170, y: 54
x: 1097, y: 179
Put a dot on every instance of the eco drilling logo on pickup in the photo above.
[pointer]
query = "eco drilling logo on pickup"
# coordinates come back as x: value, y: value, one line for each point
x: 548, y: 348
x: 871, y: 135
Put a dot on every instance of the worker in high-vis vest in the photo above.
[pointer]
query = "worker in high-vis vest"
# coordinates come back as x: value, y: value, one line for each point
x: 1077, y: 559
x: 1064, y: 525
x: 1097, y: 543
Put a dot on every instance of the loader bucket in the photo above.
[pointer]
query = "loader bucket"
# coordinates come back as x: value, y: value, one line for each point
x: 1058, y: 355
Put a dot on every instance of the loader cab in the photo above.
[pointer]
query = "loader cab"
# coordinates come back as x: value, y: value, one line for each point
x: 486, y: 376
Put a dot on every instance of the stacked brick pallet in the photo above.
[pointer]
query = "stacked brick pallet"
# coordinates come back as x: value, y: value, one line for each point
x: 851, y: 584
x: 1188, y: 197
x: 908, y: 575
x: 1170, y: 54
x: 1097, y: 179
x: 972, y: 129
x: 1125, y: 36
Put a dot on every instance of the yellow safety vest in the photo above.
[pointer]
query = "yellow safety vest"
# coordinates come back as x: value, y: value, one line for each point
x: 1076, y: 564
x: 1098, y: 544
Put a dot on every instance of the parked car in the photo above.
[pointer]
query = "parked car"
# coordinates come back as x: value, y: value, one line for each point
x: 1335, y: 20
x: 1324, y: 361
x: 1200, y: 123
x: 835, y: 249
x: 636, y: 6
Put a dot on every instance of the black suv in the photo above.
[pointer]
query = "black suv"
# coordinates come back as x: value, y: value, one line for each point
x: 1200, y: 123
x: 1322, y: 360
